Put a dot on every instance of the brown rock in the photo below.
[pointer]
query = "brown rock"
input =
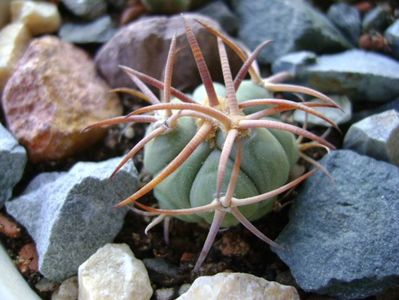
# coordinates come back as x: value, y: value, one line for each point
x: 27, y: 259
x: 9, y: 228
x: 143, y: 45
x: 53, y: 94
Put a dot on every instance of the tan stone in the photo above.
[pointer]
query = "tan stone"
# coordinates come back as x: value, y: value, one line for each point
x: 68, y: 290
x: 14, y: 39
x: 4, y: 12
x: 113, y: 272
x: 39, y: 17
x: 238, y: 286
x: 52, y: 95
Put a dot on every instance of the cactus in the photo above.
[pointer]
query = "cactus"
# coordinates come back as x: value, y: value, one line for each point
x: 221, y: 155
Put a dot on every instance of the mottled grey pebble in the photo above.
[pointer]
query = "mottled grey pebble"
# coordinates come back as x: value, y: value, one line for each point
x: 347, y: 19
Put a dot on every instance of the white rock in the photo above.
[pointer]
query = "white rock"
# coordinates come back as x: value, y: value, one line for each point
x: 12, y: 285
x: 40, y: 17
x: 68, y: 290
x: 238, y: 286
x: 113, y: 272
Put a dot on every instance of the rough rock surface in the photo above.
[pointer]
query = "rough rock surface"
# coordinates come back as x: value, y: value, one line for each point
x: 347, y: 18
x: 53, y: 94
x: 113, y: 272
x: 12, y: 164
x: 39, y: 17
x: 143, y: 45
x: 237, y: 286
x: 342, y: 236
x: 70, y: 214
x: 360, y: 75
x: 292, y: 25
x: 376, y: 136
x: 100, y: 30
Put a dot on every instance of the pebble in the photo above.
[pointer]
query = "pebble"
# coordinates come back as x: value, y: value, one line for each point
x: 143, y: 45
x: 13, y: 286
x: 338, y: 116
x: 376, y: 19
x: 221, y: 13
x: 347, y: 18
x: 292, y: 25
x: 376, y: 136
x: 392, y: 36
x: 12, y: 164
x: 341, y: 239
x: 237, y: 286
x: 360, y: 75
x: 113, y: 272
x: 88, y: 9
x: 52, y: 95
x: 163, y: 273
x: 4, y: 12
x: 70, y: 215
x: 100, y: 30
x: 164, y: 294
x: 38, y: 16
x: 68, y: 290
x: 293, y: 62
x: 14, y: 39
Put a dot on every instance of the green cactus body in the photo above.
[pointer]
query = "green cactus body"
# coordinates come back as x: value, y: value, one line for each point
x: 267, y: 157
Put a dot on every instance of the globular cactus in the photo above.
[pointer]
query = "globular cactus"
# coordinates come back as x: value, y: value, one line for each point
x: 221, y: 155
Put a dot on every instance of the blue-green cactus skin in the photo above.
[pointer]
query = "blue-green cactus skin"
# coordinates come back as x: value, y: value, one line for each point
x: 267, y: 158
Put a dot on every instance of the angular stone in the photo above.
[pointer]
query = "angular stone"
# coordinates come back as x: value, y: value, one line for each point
x: 347, y: 18
x: 294, y: 61
x: 89, y: 9
x: 292, y: 25
x: 376, y: 136
x: 52, y: 95
x: 392, y: 36
x: 70, y: 214
x: 4, y: 12
x: 376, y: 19
x: 342, y: 236
x: 100, y: 30
x: 360, y: 75
x: 221, y: 13
x: 338, y: 116
x: 14, y: 39
x: 113, y: 272
x: 143, y: 45
x: 237, y: 286
x: 39, y: 17
x: 12, y: 285
x: 68, y: 290
x: 12, y: 164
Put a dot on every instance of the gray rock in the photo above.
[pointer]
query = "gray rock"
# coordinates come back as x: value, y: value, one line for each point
x: 338, y: 116
x: 292, y: 25
x: 165, y: 294
x: 12, y: 164
x: 70, y: 214
x: 347, y: 19
x: 143, y: 45
x: 293, y: 62
x: 361, y: 75
x: 376, y: 19
x: 342, y: 236
x: 220, y: 12
x: 392, y: 36
x: 88, y: 9
x: 98, y: 31
x: 376, y: 136
x: 381, y: 108
x: 163, y: 273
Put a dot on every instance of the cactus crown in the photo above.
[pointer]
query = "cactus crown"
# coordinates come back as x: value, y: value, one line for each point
x: 216, y: 114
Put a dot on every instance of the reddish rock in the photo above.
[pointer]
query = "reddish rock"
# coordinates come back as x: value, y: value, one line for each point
x: 143, y: 45
x: 9, y: 228
x: 27, y: 259
x: 53, y: 94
